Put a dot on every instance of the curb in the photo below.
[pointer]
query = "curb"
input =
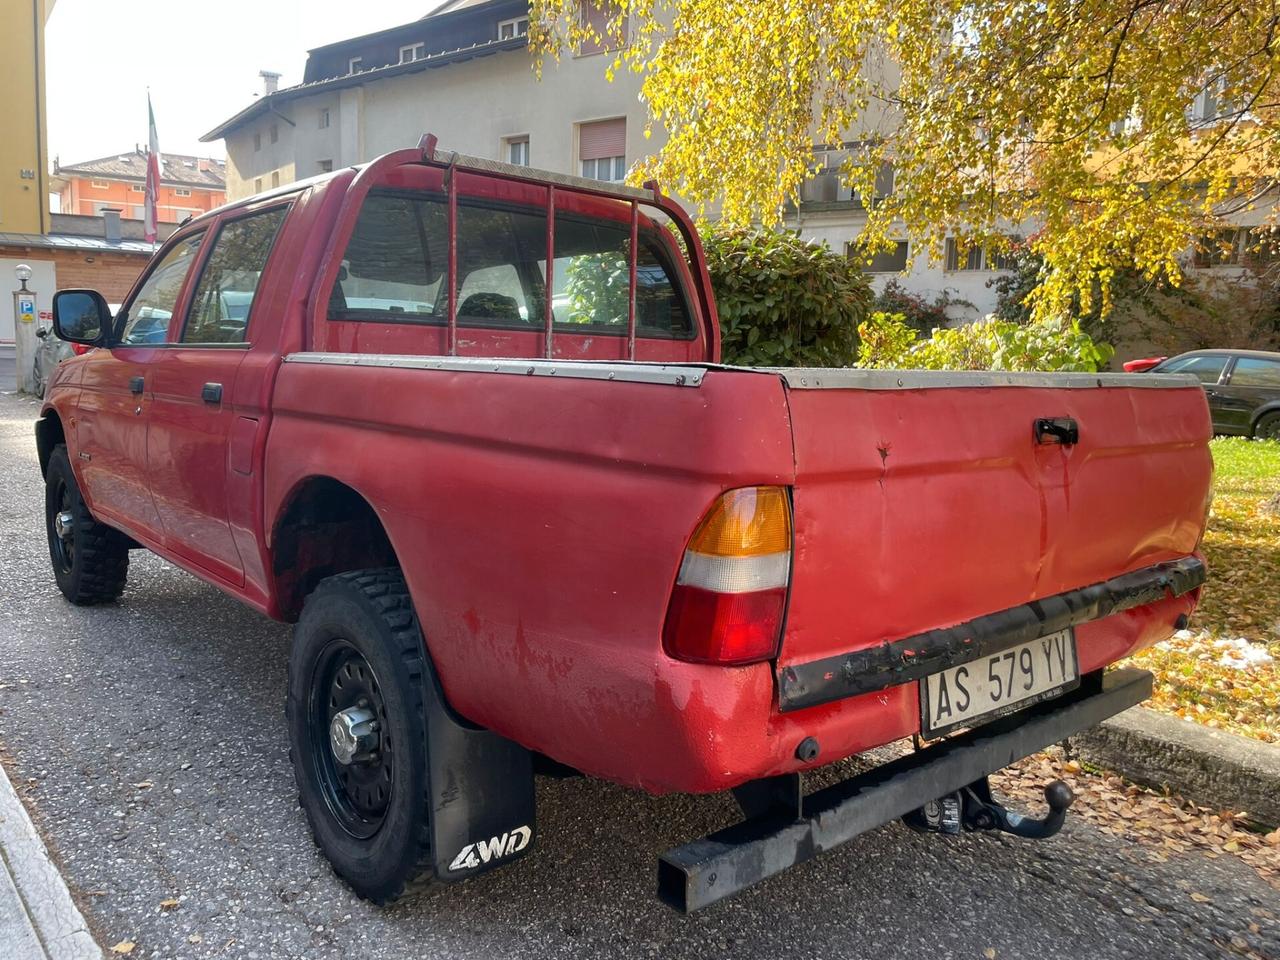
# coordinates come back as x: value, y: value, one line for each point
x: 1209, y: 767
x: 38, y: 918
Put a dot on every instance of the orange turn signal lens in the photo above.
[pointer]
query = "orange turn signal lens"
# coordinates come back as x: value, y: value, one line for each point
x: 747, y: 522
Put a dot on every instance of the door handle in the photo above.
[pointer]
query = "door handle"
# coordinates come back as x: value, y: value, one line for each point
x: 136, y: 384
x: 211, y: 393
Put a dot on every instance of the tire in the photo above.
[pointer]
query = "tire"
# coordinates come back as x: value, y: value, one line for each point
x: 1267, y: 427
x: 90, y: 560
x: 356, y: 641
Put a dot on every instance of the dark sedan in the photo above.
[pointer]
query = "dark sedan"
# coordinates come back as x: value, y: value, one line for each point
x: 1243, y: 387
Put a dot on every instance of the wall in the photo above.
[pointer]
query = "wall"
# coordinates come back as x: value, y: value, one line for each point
x: 81, y: 196
x: 109, y: 272
x: 470, y: 105
x: 24, y: 146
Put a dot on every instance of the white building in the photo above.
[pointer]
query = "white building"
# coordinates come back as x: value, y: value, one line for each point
x: 464, y: 73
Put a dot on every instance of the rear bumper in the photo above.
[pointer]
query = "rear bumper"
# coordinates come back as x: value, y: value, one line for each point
x: 704, y: 871
x: 809, y: 684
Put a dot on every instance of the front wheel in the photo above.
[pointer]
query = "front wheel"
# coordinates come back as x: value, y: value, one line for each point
x: 90, y: 560
x: 1268, y: 427
x: 357, y: 731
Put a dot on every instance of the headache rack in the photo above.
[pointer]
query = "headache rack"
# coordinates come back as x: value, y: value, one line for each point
x: 426, y: 154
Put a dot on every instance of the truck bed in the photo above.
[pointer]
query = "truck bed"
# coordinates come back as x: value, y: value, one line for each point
x: 543, y: 507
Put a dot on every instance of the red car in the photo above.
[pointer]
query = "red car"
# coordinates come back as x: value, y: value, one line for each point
x: 1143, y: 365
x: 465, y: 425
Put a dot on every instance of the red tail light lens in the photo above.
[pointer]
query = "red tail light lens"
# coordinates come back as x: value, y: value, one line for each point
x: 731, y: 594
x: 80, y: 349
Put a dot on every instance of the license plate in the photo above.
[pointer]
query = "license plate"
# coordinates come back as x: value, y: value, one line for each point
x: 998, y: 684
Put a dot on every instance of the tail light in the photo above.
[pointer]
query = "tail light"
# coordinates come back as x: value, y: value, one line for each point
x: 80, y: 349
x: 731, y: 593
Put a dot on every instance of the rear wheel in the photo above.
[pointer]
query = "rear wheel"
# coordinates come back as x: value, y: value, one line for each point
x: 357, y: 731
x: 1268, y: 427
x: 90, y: 560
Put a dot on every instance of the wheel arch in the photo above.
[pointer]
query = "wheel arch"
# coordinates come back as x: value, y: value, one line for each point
x: 49, y: 433
x: 324, y: 527
x: 1267, y: 409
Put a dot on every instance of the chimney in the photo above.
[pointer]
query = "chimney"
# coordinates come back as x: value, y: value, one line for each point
x: 111, y: 224
x: 203, y: 165
x: 270, y: 81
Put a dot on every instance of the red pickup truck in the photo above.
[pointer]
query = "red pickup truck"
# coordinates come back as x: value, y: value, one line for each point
x: 464, y: 424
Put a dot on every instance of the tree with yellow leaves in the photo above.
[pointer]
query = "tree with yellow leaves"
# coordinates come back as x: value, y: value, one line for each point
x: 1117, y: 131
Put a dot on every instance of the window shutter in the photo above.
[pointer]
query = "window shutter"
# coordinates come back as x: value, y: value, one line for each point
x: 605, y: 138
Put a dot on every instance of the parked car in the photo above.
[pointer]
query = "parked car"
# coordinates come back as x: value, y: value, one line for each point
x: 465, y: 424
x: 1142, y: 365
x: 1242, y: 387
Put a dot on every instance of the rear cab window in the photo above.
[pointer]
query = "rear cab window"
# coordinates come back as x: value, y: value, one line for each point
x: 391, y: 292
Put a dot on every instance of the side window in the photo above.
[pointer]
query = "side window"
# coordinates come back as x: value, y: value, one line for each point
x: 1208, y: 369
x: 150, y: 311
x: 220, y: 308
x: 395, y: 263
x: 1256, y: 372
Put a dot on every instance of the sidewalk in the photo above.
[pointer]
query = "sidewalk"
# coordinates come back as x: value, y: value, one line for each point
x: 38, y: 919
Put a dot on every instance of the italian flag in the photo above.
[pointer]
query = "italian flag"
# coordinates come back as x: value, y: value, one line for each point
x: 151, y: 215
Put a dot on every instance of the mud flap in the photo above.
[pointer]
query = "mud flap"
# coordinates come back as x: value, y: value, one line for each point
x: 481, y: 792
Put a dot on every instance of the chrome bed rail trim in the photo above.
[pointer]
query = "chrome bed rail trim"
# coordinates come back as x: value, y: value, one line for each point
x: 846, y: 378
x: 674, y: 375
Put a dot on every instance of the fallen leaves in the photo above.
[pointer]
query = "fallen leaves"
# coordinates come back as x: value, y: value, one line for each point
x: 124, y: 947
x: 170, y: 904
x: 1208, y: 674
x: 1164, y: 825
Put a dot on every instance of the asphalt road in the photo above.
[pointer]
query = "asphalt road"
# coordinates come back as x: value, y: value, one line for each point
x: 147, y: 738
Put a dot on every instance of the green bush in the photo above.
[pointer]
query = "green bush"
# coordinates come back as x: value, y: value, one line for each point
x: 889, y: 342
x: 920, y: 313
x: 783, y: 301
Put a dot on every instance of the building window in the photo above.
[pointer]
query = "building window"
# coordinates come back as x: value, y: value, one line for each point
x: 602, y: 149
x: 415, y: 51
x: 518, y: 151
x: 976, y: 258
x: 510, y: 29
x: 326, y: 166
x: 893, y: 260
x: 596, y: 15
x: 181, y: 192
x: 257, y: 185
x: 324, y: 119
x: 275, y: 133
x: 1219, y: 249
x: 354, y: 64
x: 257, y: 141
x: 275, y: 178
x: 99, y: 184
x: 138, y: 188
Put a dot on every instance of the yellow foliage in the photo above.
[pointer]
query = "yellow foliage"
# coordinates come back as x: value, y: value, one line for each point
x: 993, y: 115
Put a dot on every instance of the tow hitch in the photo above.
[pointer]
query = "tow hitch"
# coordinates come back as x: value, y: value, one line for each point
x: 973, y: 808
x: 785, y: 826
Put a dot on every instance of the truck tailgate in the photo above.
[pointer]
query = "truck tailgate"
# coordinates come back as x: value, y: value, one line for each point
x: 923, y: 499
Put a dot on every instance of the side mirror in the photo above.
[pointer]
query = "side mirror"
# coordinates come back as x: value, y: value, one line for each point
x: 81, y: 316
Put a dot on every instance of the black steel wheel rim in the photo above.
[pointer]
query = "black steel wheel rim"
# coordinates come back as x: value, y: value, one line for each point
x: 358, y: 795
x: 63, y: 546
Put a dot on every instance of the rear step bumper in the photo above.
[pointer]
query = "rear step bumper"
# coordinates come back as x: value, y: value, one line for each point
x: 704, y: 871
x: 802, y: 685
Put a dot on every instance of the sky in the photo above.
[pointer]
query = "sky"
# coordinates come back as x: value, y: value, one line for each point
x: 201, y: 61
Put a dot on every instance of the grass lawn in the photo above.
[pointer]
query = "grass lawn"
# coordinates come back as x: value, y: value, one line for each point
x: 1201, y: 674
